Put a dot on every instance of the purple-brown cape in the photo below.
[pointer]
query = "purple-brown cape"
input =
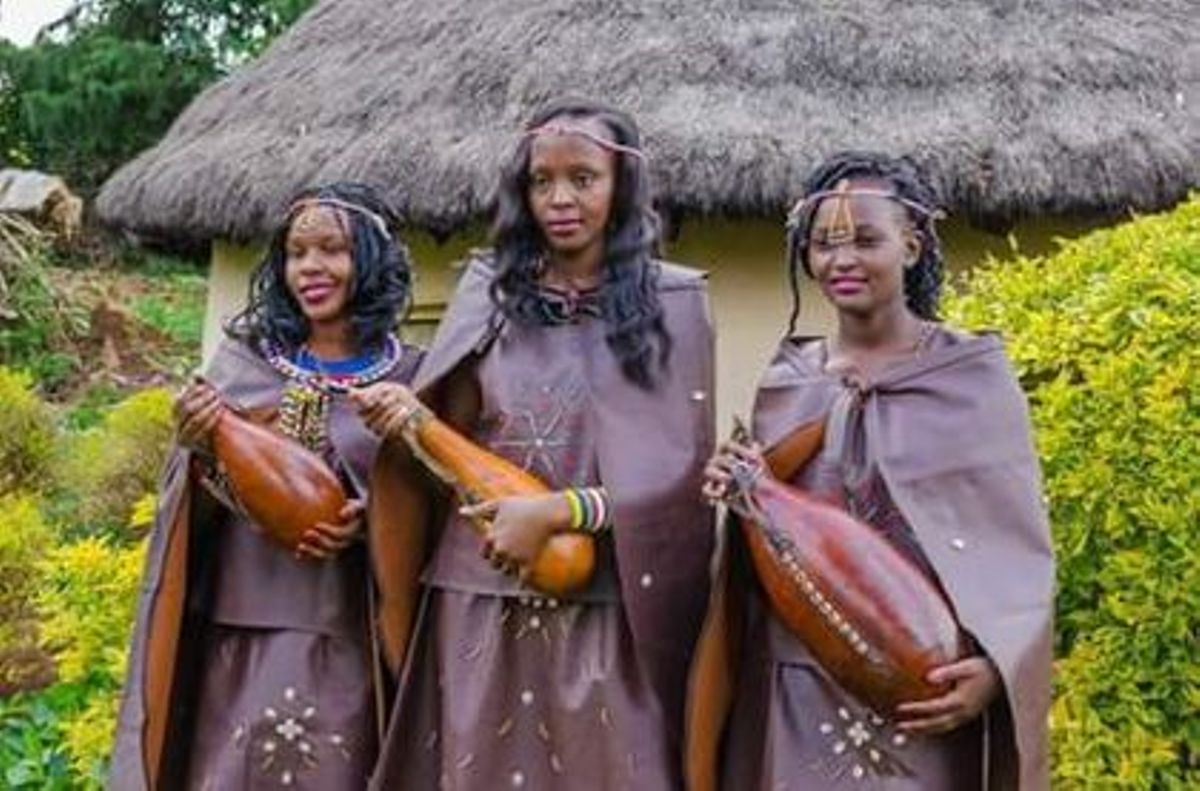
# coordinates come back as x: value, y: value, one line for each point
x: 652, y: 449
x: 950, y: 431
x: 161, y: 648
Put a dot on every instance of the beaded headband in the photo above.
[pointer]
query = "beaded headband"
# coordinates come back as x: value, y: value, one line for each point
x: 337, y: 203
x: 558, y: 129
x: 843, y: 228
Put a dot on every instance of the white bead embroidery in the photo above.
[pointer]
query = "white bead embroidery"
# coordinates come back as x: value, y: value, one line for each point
x: 855, y: 741
x: 282, y: 738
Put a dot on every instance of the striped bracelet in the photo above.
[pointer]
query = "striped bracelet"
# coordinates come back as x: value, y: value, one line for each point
x: 589, y: 509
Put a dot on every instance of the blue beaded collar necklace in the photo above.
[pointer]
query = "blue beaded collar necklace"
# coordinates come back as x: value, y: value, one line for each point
x: 305, y: 405
x: 336, y: 376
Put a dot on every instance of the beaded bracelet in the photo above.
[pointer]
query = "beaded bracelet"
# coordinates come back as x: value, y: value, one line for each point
x: 589, y: 509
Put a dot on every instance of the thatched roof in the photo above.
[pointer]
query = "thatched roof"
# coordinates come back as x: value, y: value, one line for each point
x: 1016, y: 106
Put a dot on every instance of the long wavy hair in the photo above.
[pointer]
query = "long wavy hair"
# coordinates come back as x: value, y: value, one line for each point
x: 636, y: 333
x: 923, y: 280
x: 380, y: 291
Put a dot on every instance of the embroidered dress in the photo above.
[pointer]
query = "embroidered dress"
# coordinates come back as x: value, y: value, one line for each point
x: 510, y: 689
x: 272, y: 683
x: 793, y: 728
x: 285, y: 695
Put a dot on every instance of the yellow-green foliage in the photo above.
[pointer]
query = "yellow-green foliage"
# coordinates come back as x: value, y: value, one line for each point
x: 24, y: 536
x: 89, y: 739
x: 26, y: 434
x: 87, y: 602
x: 1106, y: 337
x: 142, y: 516
x: 113, y: 465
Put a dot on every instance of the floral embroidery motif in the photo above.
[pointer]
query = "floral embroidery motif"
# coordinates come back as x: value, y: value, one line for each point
x: 862, y: 744
x: 534, y: 435
x: 539, y: 618
x: 286, y: 740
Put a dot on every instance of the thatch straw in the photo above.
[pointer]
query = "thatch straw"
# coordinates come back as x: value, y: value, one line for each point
x: 1016, y: 106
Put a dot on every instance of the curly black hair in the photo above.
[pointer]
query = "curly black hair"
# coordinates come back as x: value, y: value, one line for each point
x: 380, y: 287
x: 923, y: 280
x: 636, y: 333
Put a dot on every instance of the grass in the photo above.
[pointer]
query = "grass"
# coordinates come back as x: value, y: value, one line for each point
x: 177, y: 312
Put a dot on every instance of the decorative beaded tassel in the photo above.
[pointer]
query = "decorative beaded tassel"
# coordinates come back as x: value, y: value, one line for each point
x: 304, y: 416
x: 307, y: 398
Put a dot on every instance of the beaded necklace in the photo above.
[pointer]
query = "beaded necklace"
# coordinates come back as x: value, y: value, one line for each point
x: 312, y: 383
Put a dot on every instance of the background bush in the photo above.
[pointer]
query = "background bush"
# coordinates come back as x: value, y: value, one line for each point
x: 24, y: 538
x: 68, y: 589
x: 1106, y: 338
x: 87, y: 602
x: 69, y: 594
x: 39, y: 323
x: 113, y: 465
x: 27, y: 435
x: 33, y: 752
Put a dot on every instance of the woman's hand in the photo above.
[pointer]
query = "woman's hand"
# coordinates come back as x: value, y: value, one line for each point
x: 520, y: 526
x: 324, y: 541
x: 718, y: 473
x: 976, y: 683
x: 197, y: 410
x: 386, y: 407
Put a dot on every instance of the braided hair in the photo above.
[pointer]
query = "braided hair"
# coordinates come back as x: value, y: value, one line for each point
x: 380, y: 291
x: 923, y: 280
x: 636, y: 333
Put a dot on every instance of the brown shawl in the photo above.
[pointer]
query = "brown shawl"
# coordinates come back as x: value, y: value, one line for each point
x: 163, y: 646
x: 652, y: 449
x: 950, y: 432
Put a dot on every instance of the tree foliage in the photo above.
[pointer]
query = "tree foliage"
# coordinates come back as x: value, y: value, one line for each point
x: 224, y: 31
x: 27, y: 435
x: 107, y: 80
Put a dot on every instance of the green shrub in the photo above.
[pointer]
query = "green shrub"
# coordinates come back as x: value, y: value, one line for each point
x: 33, y: 753
x: 113, y: 465
x: 88, y: 737
x: 27, y: 434
x: 1105, y: 335
x: 93, y: 404
x: 87, y: 602
x: 24, y: 538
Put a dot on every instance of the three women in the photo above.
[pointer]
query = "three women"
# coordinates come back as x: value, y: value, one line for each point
x: 573, y: 352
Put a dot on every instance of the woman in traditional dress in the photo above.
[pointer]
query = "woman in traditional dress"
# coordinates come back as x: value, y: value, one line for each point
x: 252, y: 664
x: 573, y: 352
x: 927, y: 439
